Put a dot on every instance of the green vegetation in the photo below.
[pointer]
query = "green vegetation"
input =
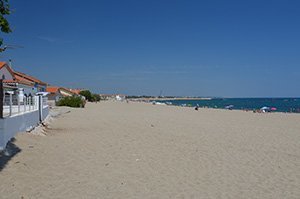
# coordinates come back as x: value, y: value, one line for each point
x: 96, y: 98
x: 71, y: 102
x: 91, y: 97
x: 4, y: 25
x: 87, y: 94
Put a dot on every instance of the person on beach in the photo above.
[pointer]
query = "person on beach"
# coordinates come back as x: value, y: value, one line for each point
x: 197, y: 107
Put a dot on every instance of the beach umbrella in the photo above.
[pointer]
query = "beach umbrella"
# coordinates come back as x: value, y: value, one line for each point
x: 264, y: 108
x: 229, y: 107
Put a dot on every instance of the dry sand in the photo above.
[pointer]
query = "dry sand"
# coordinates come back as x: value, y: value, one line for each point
x: 137, y: 150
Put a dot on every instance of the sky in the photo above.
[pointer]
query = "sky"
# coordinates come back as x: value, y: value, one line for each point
x: 145, y: 47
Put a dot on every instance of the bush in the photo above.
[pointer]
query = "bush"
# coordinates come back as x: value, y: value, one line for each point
x: 87, y: 94
x: 96, y: 98
x: 71, y: 102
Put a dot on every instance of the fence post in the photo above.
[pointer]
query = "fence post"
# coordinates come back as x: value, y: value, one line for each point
x: 10, y: 104
x: 1, y: 98
x: 18, y: 103
x: 24, y: 102
x: 40, y: 108
x: 29, y: 102
x: 34, y: 103
x: 37, y: 102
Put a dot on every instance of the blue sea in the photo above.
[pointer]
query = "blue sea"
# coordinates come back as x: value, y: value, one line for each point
x: 280, y: 104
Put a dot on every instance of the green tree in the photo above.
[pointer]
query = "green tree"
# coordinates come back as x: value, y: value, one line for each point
x: 4, y: 11
x: 87, y: 94
x: 96, y: 97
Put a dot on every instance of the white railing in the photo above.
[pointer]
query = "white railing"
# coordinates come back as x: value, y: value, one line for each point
x: 13, y: 105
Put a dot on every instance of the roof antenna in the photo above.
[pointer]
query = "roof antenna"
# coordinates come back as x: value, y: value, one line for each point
x: 10, y: 63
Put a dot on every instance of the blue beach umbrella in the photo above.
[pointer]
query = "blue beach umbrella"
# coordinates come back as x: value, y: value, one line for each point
x: 265, y: 108
x: 229, y: 107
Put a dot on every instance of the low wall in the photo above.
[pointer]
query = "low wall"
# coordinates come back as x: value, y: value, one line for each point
x: 45, y: 112
x: 10, y: 126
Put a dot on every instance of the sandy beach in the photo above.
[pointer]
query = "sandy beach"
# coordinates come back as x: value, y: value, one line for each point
x: 137, y: 150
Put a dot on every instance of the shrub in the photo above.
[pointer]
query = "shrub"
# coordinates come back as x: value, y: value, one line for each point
x: 71, y: 102
x: 87, y: 94
x: 96, y: 98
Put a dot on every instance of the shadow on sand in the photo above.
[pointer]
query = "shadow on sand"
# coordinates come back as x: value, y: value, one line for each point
x: 8, y: 153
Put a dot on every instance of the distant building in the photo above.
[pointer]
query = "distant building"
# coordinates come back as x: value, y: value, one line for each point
x: 56, y: 93
x: 106, y: 96
x: 76, y: 91
x: 119, y: 97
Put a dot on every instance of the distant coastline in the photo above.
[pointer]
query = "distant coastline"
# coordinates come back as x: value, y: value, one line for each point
x: 181, y: 98
x: 171, y: 98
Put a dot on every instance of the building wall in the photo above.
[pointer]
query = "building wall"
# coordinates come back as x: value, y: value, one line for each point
x: 65, y: 93
x: 28, y: 89
x: 55, y: 96
x: 4, y: 71
x: 10, y: 126
x: 41, y: 88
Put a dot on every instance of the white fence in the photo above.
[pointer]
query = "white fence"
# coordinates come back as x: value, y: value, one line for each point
x: 20, y: 115
x: 12, y: 105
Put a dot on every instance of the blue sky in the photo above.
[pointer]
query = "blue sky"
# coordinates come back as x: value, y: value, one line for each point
x: 193, y: 48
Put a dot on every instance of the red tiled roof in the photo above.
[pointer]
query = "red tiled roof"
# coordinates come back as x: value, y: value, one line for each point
x: 23, y: 80
x: 19, y: 77
x: 75, y: 91
x: 2, y: 64
x: 28, y: 78
x: 16, y: 79
x: 52, y: 89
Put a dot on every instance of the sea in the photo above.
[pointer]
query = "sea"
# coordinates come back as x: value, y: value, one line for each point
x: 276, y: 104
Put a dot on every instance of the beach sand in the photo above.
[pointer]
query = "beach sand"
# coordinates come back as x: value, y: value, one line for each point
x: 138, y: 150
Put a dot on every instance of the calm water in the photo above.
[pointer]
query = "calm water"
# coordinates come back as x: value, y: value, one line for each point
x: 281, y: 104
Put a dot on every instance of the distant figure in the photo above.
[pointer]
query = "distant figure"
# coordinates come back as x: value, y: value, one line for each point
x: 197, y: 107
